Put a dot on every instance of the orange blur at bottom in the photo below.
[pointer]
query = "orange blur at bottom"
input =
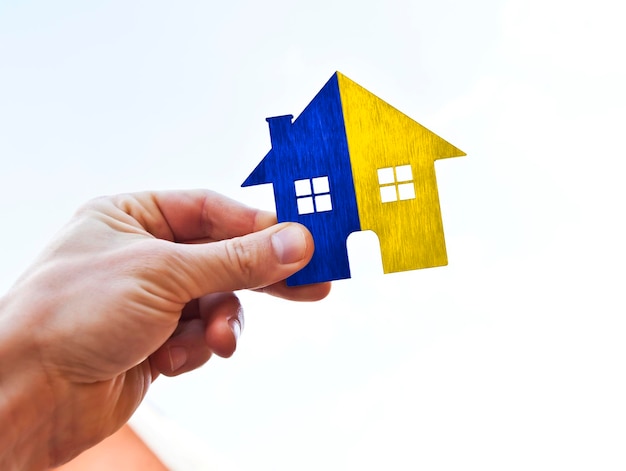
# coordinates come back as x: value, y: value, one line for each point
x: 122, y: 451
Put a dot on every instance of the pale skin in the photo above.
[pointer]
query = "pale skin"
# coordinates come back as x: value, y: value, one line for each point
x: 134, y: 286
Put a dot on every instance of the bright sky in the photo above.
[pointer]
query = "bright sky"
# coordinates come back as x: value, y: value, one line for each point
x: 512, y: 357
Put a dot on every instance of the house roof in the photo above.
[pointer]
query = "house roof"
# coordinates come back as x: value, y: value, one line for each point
x: 317, y: 134
x: 349, y: 105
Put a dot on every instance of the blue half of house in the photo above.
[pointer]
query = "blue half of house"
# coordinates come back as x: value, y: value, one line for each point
x: 310, y: 169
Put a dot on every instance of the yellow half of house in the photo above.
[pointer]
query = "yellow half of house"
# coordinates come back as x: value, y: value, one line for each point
x: 392, y: 159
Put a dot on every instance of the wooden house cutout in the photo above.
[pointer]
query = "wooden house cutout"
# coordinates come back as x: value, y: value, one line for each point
x: 351, y: 162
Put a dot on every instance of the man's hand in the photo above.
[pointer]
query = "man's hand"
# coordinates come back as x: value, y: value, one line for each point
x: 134, y: 286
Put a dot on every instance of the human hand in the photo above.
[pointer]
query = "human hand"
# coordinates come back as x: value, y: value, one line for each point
x: 135, y: 285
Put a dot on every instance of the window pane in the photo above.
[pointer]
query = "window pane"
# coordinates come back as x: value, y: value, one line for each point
x: 320, y: 185
x: 404, y: 174
x: 305, y: 205
x: 385, y: 176
x: 322, y: 203
x: 303, y: 187
x: 406, y: 191
x: 388, y: 193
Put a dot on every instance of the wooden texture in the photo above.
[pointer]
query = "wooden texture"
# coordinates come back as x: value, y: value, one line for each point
x: 352, y: 162
x: 314, y: 146
x: 410, y: 230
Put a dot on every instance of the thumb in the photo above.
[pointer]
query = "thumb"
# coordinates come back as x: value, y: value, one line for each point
x: 247, y: 262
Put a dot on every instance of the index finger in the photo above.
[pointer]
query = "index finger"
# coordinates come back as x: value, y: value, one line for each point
x: 193, y: 215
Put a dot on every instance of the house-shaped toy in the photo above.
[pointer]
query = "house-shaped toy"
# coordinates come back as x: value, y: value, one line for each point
x: 351, y: 162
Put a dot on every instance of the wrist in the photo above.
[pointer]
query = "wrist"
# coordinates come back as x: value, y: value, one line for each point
x: 26, y: 396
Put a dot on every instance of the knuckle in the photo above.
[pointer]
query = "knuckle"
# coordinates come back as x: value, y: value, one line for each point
x: 241, y: 258
x: 94, y: 204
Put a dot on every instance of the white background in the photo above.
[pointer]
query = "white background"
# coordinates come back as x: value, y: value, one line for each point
x: 512, y: 357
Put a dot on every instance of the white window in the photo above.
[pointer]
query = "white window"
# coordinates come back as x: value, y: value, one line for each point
x: 396, y: 183
x: 313, y: 195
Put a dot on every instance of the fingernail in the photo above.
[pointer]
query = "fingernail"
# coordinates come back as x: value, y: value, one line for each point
x: 235, y: 326
x: 178, y: 357
x: 289, y: 244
